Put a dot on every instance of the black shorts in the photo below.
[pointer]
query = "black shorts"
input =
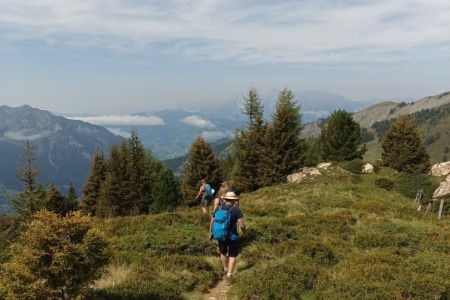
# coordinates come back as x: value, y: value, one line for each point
x: 229, y: 247
x: 206, y: 201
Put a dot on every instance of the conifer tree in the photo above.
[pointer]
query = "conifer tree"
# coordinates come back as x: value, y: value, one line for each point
x: 127, y: 188
x: 250, y: 146
x: 166, y: 192
x: 340, y: 138
x: 404, y: 148
x: 202, y: 164
x: 252, y: 106
x: 139, y: 176
x: 284, y: 145
x: 55, y: 258
x: 91, y: 189
x: 55, y: 202
x: 71, y: 199
x: 32, y: 197
x: 115, y: 186
x: 253, y: 157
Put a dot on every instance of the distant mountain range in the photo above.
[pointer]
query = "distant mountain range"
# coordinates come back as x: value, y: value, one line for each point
x: 63, y: 148
x: 173, y: 137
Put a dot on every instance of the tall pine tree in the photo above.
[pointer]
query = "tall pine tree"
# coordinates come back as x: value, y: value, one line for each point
x: 404, y: 148
x: 91, y: 189
x: 139, y: 174
x: 249, y: 163
x: 202, y: 163
x: 114, y: 188
x: 32, y: 197
x: 284, y: 144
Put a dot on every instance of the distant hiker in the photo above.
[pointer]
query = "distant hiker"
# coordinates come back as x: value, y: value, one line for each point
x: 231, y: 215
x: 224, y: 188
x: 207, y: 195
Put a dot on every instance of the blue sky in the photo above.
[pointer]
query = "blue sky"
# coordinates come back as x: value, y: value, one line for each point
x: 116, y: 57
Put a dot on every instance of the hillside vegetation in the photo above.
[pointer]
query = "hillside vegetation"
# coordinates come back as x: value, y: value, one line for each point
x: 333, y: 236
x: 432, y: 115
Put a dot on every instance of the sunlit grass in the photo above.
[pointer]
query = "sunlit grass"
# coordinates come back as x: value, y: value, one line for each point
x: 337, y: 235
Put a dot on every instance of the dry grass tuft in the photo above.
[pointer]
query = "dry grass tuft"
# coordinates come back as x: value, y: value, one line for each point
x: 114, y: 275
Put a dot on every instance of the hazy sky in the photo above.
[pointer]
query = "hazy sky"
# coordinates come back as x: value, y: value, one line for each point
x: 125, y: 56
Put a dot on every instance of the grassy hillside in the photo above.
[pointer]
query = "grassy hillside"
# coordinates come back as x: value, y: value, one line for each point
x: 334, y: 236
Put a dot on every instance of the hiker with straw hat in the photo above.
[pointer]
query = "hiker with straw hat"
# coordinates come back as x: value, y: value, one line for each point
x: 228, y: 245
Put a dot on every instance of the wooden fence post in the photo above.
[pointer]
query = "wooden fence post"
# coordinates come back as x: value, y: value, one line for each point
x: 441, y: 206
x: 417, y: 199
x: 428, y: 209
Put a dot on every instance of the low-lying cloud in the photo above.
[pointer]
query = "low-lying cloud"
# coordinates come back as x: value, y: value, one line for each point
x: 119, y: 132
x: 197, y: 121
x: 121, y: 120
x: 214, y: 135
x: 24, y: 135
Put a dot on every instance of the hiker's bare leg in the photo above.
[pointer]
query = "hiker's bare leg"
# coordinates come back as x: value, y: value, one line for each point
x: 224, y: 260
x: 231, y: 265
x: 204, y: 209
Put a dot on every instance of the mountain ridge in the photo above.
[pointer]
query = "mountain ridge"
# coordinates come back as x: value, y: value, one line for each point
x: 63, y: 148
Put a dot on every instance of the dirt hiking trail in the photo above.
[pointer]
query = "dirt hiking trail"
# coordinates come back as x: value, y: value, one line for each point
x: 219, y: 292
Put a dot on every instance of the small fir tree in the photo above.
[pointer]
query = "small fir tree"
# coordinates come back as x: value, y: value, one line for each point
x: 166, y: 192
x: 202, y: 163
x: 55, y: 202
x: 71, y: 199
x: 340, y: 138
x: 404, y: 147
x: 56, y: 258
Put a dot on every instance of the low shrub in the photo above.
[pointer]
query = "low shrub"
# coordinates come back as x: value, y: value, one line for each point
x: 373, y: 275
x: 338, y: 223
x: 286, y: 278
x: 138, y: 289
x: 384, y: 183
x: 409, y: 184
x: 353, y: 166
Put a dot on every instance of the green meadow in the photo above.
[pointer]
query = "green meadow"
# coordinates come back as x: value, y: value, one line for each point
x: 333, y: 236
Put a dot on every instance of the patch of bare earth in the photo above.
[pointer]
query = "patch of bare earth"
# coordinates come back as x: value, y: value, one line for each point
x: 219, y: 292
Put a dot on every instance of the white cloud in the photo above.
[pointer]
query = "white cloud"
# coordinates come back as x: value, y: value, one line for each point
x: 198, y: 122
x: 23, y: 135
x: 121, y: 120
x: 120, y: 132
x: 326, y: 31
x: 214, y: 135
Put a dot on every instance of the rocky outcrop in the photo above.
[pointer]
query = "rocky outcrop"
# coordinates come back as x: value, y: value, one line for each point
x: 443, y: 189
x: 297, y: 177
x: 441, y: 169
x: 367, y: 168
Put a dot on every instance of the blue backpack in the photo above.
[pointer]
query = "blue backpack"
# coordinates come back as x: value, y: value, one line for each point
x: 221, y: 227
x: 208, y: 190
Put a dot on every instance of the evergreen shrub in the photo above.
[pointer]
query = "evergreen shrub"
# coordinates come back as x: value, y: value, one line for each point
x: 353, y: 166
x: 409, y: 184
x: 384, y: 183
